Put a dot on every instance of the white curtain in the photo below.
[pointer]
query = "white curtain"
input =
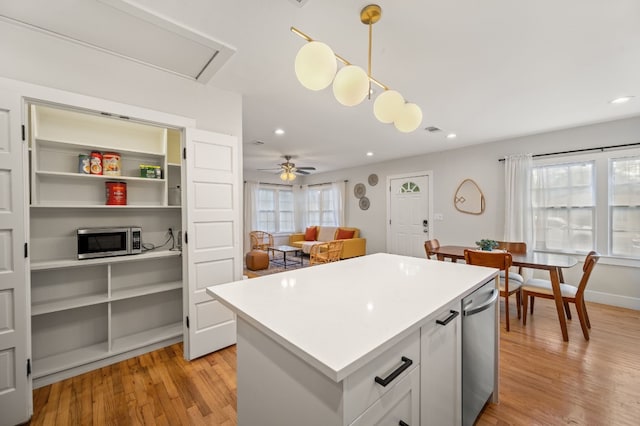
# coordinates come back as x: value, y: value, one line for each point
x: 518, y: 215
x: 250, y: 211
x: 338, y: 194
x: 300, y: 207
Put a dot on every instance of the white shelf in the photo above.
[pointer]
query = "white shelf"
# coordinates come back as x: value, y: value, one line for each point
x: 143, y: 290
x: 94, y: 299
x: 102, y: 206
x: 65, y: 360
x: 68, y: 303
x: 147, y: 337
x: 174, y: 164
x: 60, y: 144
x: 72, y: 263
x: 101, y: 177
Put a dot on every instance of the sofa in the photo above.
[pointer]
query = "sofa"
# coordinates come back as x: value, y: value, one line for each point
x: 354, y: 246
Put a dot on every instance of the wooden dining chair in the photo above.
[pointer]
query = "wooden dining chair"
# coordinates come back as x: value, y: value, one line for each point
x: 536, y: 287
x: 430, y: 246
x: 326, y: 252
x: 501, y: 260
x: 513, y: 248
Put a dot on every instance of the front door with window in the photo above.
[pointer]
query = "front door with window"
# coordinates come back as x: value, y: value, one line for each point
x: 408, y: 214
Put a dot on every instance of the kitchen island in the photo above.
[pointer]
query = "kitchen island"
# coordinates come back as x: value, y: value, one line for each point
x: 353, y: 342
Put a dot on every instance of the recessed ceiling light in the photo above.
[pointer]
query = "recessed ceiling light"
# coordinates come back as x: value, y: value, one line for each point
x: 621, y: 100
x: 451, y: 136
x: 279, y: 131
x: 369, y: 154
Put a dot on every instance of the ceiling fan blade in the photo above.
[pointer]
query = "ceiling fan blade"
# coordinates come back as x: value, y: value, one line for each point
x: 305, y: 168
x: 301, y: 172
x: 269, y: 170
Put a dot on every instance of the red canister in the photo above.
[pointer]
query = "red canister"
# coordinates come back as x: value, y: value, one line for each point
x: 116, y: 193
x: 95, y: 163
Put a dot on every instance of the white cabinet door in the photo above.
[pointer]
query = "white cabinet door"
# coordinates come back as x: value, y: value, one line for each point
x: 441, y: 399
x: 212, y: 176
x: 399, y: 406
x: 15, y: 387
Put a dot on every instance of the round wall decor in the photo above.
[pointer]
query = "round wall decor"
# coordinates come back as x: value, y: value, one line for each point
x: 373, y: 179
x: 364, y: 203
x: 359, y: 190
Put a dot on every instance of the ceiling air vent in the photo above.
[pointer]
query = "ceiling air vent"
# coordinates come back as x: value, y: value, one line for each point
x: 299, y: 3
x: 120, y: 28
x: 432, y: 129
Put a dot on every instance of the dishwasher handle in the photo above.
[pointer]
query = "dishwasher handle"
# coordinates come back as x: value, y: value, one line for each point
x: 486, y: 305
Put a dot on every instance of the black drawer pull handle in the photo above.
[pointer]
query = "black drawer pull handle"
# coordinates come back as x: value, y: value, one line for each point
x: 449, y: 318
x: 402, y: 423
x: 406, y: 363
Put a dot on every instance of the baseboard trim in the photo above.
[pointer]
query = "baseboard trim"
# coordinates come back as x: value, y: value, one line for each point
x: 612, y: 299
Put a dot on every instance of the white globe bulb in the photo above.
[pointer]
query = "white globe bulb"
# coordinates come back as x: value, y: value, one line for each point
x: 315, y: 65
x: 351, y: 85
x: 388, y: 106
x: 409, y: 119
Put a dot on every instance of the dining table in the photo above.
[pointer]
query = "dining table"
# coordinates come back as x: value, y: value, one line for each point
x: 554, y: 263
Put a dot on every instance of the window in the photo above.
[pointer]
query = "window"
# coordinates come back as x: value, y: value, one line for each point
x: 275, y: 209
x: 564, y: 206
x: 590, y: 202
x: 409, y: 187
x: 321, y: 207
x: 624, y: 206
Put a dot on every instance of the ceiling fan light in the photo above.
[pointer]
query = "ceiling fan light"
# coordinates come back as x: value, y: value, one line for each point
x: 387, y: 106
x: 409, y: 119
x: 351, y: 85
x: 315, y: 65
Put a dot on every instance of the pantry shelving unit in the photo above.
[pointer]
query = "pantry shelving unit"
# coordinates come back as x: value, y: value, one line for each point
x: 85, y: 313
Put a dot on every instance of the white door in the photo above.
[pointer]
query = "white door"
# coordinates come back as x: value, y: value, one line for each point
x: 408, y: 214
x: 15, y: 386
x: 213, y: 243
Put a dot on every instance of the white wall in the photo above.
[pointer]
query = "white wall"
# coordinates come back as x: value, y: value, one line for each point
x: 617, y: 285
x: 44, y: 60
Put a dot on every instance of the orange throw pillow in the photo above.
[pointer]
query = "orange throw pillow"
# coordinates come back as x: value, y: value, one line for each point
x: 310, y: 234
x: 345, y: 234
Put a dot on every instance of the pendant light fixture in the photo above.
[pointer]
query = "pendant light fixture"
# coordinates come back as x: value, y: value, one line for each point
x: 316, y: 65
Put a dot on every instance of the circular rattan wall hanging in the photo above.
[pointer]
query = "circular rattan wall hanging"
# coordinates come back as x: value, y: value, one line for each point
x: 359, y: 190
x: 364, y: 203
x: 373, y: 179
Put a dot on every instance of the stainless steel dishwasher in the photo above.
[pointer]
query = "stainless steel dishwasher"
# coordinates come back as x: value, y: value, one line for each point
x: 478, y: 349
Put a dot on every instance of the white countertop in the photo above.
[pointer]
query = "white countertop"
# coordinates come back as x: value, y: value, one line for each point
x: 339, y: 316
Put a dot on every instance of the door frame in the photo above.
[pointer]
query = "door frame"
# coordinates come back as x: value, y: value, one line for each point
x: 429, y: 174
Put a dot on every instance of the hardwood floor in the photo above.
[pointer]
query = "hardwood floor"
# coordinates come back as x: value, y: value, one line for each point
x: 543, y: 380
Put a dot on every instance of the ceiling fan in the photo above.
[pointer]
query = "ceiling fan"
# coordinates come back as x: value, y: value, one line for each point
x: 289, y: 170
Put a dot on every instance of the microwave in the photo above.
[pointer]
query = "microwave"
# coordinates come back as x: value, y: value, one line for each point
x: 106, y: 242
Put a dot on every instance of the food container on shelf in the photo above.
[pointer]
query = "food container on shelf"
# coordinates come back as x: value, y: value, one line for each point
x: 153, y: 172
x: 95, y: 162
x: 84, y: 164
x: 111, y: 164
x: 116, y: 193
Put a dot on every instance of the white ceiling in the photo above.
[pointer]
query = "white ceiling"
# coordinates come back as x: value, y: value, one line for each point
x: 485, y: 70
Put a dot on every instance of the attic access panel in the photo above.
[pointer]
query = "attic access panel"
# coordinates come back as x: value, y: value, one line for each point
x: 123, y: 29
